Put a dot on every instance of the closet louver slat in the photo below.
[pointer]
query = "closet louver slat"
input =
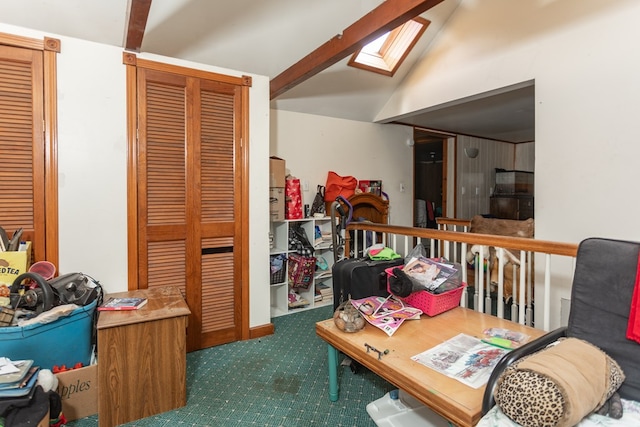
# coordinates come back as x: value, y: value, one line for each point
x: 217, y: 157
x: 21, y: 141
x: 165, y: 155
x: 217, y: 286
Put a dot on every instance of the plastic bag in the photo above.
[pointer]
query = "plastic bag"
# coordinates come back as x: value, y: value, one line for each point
x: 433, y: 275
x: 417, y: 252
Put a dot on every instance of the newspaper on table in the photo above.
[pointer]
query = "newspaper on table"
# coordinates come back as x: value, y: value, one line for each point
x: 386, y: 314
x: 464, y: 358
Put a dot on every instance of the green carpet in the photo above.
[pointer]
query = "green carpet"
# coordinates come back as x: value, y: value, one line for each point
x: 279, y: 380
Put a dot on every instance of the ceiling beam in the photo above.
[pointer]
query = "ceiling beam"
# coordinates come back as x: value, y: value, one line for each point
x: 383, y: 18
x: 138, y: 14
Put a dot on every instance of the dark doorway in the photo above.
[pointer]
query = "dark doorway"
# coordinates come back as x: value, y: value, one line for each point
x: 429, y: 169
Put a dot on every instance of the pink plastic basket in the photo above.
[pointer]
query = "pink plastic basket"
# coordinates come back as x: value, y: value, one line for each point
x: 431, y: 304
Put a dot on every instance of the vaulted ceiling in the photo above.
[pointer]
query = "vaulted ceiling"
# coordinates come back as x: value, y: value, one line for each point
x: 302, y: 46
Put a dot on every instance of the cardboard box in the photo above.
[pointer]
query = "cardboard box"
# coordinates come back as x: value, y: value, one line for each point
x: 78, y: 390
x: 44, y: 422
x: 276, y: 204
x: 276, y: 172
x: 13, y: 264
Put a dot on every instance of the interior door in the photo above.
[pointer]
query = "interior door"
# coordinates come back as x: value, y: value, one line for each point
x: 189, y: 186
x: 429, y: 178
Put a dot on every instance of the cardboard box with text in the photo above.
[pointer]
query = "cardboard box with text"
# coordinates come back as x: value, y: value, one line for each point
x: 276, y: 203
x: 14, y: 263
x: 78, y: 390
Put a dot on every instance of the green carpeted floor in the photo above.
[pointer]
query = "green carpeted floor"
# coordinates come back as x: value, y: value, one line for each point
x: 279, y: 380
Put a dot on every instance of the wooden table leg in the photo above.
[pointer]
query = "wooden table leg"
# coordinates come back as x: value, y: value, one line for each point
x: 333, y: 373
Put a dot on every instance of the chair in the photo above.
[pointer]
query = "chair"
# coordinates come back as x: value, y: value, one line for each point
x: 601, y: 294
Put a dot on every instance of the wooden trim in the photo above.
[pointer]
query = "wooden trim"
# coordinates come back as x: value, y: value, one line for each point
x: 455, y: 177
x: 193, y: 229
x: 383, y: 18
x: 262, y: 331
x: 436, y: 132
x: 190, y: 72
x: 136, y: 23
x: 51, y: 155
x: 244, y: 215
x: 19, y: 41
x: 49, y: 47
x: 451, y: 134
x: 129, y: 58
x: 132, y: 176
x: 445, y: 173
x: 51, y: 44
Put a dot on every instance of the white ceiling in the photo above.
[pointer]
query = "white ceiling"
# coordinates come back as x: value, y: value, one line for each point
x: 266, y: 37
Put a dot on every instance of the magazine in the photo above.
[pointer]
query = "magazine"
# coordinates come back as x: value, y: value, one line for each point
x: 122, y: 304
x: 464, y: 358
x: 429, y: 273
x: 387, y: 313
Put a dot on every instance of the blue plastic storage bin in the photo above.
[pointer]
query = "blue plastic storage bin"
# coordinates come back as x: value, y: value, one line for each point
x: 66, y: 341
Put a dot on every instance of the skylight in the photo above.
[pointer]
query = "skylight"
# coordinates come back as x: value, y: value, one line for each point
x: 385, y: 54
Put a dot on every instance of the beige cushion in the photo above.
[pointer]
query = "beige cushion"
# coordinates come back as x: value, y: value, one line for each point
x: 558, y: 386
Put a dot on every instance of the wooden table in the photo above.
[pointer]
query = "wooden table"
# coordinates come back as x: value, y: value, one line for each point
x: 455, y: 401
x: 142, y: 357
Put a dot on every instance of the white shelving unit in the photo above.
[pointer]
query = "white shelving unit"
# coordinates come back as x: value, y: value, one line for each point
x: 322, y: 249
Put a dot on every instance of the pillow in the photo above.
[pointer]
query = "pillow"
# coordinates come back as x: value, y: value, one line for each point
x: 559, y: 385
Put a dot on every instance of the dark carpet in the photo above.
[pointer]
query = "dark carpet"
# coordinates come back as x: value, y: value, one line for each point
x: 279, y: 380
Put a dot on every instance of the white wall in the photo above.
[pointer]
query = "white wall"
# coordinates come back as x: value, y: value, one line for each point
x: 525, y: 157
x: 314, y: 145
x: 93, y: 163
x: 585, y: 66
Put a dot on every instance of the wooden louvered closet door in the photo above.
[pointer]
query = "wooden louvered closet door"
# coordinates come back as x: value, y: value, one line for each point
x: 22, y: 154
x: 188, y: 179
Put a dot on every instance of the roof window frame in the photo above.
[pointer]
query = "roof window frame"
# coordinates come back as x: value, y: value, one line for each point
x: 393, y: 50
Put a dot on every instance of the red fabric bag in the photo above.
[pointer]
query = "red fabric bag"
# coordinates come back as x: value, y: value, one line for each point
x: 337, y: 185
x: 292, y: 199
x: 301, y: 269
x: 633, y: 325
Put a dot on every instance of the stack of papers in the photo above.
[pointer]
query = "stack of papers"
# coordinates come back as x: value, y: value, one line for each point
x: 17, y: 378
x: 464, y: 358
x: 386, y: 314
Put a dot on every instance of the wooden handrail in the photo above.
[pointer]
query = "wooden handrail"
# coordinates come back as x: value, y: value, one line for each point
x: 441, y: 243
x: 518, y: 243
x: 453, y: 221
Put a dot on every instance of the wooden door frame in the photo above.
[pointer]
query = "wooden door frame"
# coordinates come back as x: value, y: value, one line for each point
x: 445, y: 167
x: 131, y: 62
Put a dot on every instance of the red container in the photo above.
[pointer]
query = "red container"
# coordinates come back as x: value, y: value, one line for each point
x: 431, y: 304
x: 44, y: 268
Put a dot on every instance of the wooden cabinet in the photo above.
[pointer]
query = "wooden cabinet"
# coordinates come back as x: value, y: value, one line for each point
x: 512, y: 207
x: 142, y: 357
